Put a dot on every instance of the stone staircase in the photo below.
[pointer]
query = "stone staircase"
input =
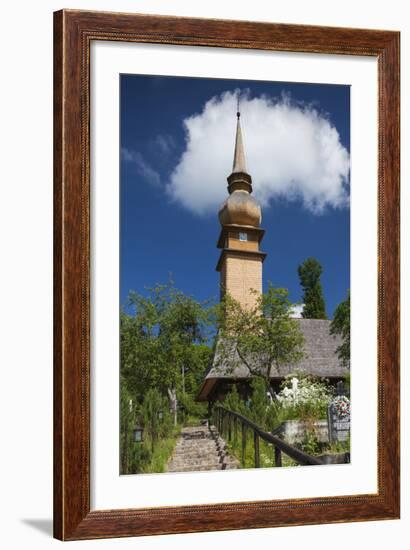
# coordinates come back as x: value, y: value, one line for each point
x: 200, y: 448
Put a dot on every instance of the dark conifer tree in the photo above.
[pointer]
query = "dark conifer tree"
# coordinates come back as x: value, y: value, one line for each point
x: 341, y: 325
x: 309, y: 274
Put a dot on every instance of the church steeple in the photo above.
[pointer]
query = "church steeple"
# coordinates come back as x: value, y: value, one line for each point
x: 239, y: 178
x: 239, y: 164
x: 240, y: 262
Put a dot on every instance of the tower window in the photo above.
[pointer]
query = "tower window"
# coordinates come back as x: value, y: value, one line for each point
x: 243, y: 236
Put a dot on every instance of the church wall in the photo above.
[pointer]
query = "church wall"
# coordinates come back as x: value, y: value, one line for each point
x: 251, y: 244
x: 223, y: 281
x: 242, y: 275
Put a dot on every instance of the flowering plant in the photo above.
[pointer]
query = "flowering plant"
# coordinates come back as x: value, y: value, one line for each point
x: 302, y: 396
x: 341, y: 404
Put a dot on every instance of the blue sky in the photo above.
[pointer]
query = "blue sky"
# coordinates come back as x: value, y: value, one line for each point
x: 163, y: 234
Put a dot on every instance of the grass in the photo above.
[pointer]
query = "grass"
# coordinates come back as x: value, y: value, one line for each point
x: 336, y: 448
x: 192, y: 420
x: 267, y: 453
x: 163, y: 450
x: 165, y: 446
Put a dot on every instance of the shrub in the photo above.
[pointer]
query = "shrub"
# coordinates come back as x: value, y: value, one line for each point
x: 303, y: 397
x: 258, y: 408
x: 192, y: 407
x: 233, y: 402
x: 259, y: 403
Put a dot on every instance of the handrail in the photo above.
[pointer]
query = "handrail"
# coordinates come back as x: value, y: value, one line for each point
x: 279, y: 445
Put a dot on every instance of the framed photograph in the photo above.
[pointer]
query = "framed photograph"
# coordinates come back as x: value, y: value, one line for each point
x: 226, y: 275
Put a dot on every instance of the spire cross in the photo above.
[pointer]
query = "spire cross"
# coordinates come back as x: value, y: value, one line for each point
x: 238, y: 113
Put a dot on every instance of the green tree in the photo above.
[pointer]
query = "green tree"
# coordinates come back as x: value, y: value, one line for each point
x: 314, y: 303
x: 264, y: 339
x: 163, y: 342
x: 341, y: 325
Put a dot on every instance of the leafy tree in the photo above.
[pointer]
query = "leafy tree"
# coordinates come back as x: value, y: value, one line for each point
x: 314, y: 303
x: 264, y: 338
x: 341, y: 325
x: 163, y: 343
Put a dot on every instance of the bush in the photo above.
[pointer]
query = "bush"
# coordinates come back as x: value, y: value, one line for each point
x: 303, y: 397
x: 192, y: 407
x: 258, y: 408
x: 259, y: 402
x: 233, y: 402
x: 157, y: 420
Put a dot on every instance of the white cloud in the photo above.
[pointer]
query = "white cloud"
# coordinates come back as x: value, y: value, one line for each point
x: 296, y: 311
x: 143, y: 168
x: 292, y: 151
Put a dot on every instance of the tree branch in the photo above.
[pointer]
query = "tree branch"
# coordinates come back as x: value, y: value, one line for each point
x: 242, y: 358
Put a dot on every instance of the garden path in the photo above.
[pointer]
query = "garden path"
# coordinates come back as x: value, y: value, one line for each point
x: 200, y: 448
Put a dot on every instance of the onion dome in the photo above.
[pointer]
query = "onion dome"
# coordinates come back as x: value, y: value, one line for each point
x: 240, y: 208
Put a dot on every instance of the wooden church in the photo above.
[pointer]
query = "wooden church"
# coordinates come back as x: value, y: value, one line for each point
x: 240, y: 266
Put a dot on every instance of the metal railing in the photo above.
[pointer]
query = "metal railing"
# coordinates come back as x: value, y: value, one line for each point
x: 227, y: 423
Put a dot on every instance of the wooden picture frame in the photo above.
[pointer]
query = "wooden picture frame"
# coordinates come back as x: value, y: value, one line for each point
x: 73, y: 33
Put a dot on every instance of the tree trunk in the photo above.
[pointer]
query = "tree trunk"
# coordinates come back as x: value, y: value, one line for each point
x: 172, y: 394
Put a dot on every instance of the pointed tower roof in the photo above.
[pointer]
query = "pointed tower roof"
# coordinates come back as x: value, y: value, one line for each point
x: 240, y: 208
x: 239, y: 164
x: 239, y: 178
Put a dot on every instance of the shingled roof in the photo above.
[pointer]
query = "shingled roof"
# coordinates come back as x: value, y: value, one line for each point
x: 320, y: 357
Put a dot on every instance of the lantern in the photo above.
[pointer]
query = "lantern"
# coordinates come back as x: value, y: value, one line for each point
x: 138, y: 433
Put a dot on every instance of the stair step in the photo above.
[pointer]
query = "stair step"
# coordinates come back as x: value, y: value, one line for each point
x: 195, y: 468
x: 200, y: 448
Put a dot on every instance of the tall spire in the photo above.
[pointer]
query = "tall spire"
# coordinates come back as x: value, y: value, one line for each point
x: 239, y: 180
x: 239, y: 164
